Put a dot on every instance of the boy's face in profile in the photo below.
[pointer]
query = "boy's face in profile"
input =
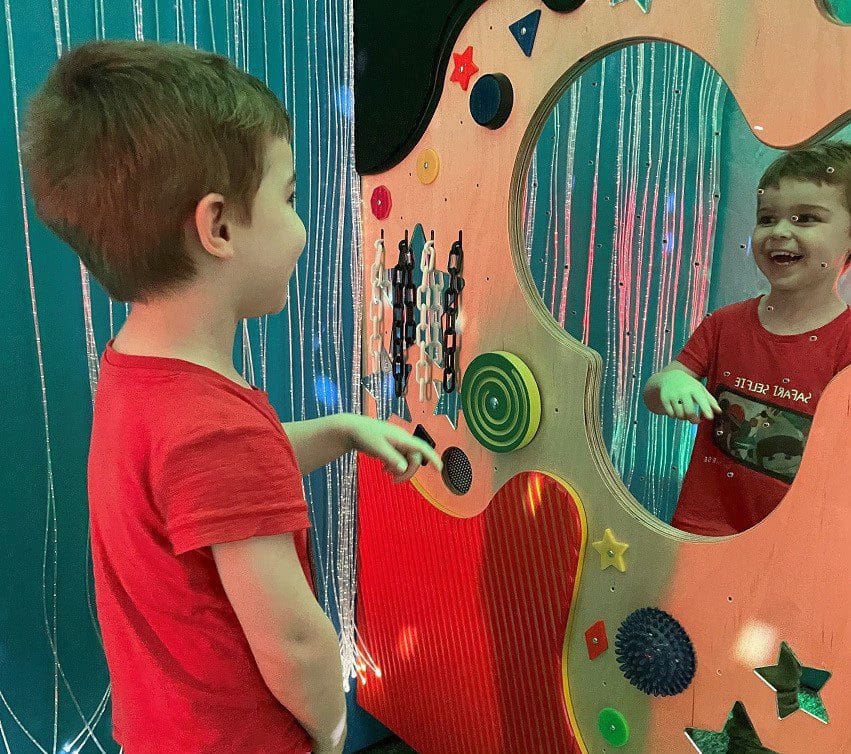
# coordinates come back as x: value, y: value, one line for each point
x: 802, y: 235
x: 268, y: 249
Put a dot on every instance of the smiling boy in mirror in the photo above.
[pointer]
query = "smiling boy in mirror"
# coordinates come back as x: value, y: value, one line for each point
x: 766, y: 360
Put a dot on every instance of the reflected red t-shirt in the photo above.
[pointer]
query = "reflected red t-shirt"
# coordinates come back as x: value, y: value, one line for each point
x: 768, y: 386
x: 182, y: 458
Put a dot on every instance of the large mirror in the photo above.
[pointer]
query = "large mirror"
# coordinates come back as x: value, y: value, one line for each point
x: 640, y: 216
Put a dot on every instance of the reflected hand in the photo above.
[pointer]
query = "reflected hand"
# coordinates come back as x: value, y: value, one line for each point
x: 328, y: 748
x: 401, y: 452
x: 684, y: 397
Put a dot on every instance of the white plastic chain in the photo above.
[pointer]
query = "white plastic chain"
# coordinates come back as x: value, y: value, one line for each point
x: 424, y: 336
x: 435, y: 317
x: 376, y: 306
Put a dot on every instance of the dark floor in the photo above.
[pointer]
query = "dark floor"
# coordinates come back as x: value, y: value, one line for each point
x: 390, y: 745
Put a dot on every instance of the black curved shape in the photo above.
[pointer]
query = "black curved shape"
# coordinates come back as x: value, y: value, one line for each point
x: 401, y: 54
x: 563, y: 6
x: 655, y: 653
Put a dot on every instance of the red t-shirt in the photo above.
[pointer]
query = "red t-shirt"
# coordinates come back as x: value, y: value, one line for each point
x: 768, y: 387
x: 182, y: 458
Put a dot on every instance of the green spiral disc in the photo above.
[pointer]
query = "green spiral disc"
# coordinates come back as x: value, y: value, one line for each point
x: 501, y: 401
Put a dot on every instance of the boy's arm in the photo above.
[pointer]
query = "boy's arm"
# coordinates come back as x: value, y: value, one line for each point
x: 292, y: 640
x: 677, y: 391
x: 318, y: 442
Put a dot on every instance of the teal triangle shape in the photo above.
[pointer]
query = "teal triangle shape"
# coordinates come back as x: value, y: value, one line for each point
x: 643, y: 4
x: 525, y: 30
x: 418, y: 240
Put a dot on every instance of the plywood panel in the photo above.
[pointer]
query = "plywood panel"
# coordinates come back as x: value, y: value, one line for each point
x: 720, y: 591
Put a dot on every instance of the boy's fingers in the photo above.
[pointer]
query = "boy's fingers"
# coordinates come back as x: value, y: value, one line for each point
x: 692, y: 409
x: 394, y: 461
x: 410, y: 444
x: 402, y: 448
x: 705, y: 405
x: 710, y: 406
x: 401, y: 478
x: 415, y: 460
x: 413, y: 465
x: 428, y: 454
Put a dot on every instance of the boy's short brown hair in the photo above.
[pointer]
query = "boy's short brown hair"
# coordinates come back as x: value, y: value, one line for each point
x: 123, y: 140
x: 826, y: 162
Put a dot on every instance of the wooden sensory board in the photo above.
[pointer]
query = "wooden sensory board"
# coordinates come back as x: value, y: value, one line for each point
x: 738, y: 598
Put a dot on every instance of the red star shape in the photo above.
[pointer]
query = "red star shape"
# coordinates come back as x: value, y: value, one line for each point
x: 465, y: 69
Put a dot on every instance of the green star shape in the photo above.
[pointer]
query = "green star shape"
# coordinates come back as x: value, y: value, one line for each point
x: 797, y: 686
x: 737, y: 737
x: 448, y: 404
x: 643, y: 4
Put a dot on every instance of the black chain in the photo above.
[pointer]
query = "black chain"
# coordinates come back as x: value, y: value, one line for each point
x: 404, y: 327
x: 450, y: 315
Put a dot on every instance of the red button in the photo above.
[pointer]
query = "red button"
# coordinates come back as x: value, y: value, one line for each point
x: 381, y: 202
x: 596, y: 639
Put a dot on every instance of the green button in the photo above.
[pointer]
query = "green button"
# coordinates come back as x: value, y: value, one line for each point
x: 614, y: 727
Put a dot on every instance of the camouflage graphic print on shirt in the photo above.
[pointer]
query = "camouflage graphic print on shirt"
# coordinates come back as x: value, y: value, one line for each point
x: 764, y: 437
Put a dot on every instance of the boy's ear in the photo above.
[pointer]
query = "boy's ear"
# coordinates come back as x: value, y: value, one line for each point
x: 212, y: 227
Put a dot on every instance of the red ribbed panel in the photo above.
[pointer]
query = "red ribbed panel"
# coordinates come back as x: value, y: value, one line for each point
x: 466, y: 618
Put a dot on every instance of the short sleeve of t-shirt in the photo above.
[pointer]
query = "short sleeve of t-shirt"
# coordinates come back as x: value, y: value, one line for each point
x: 843, y: 355
x: 698, y: 352
x: 230, y: 478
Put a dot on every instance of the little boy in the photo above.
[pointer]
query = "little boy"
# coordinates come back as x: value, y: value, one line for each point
x: 766, y: 360
x: 170, y: 173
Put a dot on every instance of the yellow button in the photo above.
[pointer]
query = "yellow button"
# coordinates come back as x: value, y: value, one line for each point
x: 428, y: 166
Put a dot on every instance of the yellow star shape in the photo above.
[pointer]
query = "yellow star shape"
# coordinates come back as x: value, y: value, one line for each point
x: 611, y: 551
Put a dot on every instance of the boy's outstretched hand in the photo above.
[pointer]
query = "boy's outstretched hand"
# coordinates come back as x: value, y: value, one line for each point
x: 684, y: 397
x: 401, y: 452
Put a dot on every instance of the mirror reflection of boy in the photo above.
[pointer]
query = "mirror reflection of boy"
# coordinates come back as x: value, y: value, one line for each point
x: 766, y: 360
